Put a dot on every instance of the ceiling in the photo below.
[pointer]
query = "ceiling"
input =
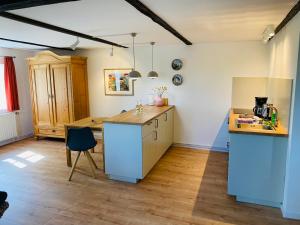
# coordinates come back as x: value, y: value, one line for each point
x: 197, y: 20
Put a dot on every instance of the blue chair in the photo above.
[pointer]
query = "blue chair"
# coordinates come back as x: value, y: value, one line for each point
x: 81, y: 140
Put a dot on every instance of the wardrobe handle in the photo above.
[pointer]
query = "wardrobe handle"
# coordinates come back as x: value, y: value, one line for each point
x: 166, y: 116
x: 156, y: 123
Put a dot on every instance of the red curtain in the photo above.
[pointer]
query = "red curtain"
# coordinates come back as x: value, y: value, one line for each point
x: 11, y: 89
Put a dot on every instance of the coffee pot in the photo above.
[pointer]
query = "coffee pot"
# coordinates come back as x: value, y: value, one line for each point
x: 259, y: 106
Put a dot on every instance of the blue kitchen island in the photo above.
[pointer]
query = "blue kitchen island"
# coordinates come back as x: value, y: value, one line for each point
x: 257, y: 160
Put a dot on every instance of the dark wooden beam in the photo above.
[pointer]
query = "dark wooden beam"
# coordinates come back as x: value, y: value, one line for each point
x: 37, y: 23
x: 148, y: 12
x: 35, y: 44
x: 6, y: 5
x: 289, y: 16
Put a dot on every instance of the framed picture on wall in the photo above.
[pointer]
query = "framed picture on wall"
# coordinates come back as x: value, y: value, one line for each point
x: 117, y: 82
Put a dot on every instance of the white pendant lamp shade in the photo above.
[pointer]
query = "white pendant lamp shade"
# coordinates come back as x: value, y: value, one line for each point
x: 134, y: 74
x: 152, y: 74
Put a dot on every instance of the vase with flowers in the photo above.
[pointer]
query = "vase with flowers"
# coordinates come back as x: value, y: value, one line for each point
x: 158, y: 99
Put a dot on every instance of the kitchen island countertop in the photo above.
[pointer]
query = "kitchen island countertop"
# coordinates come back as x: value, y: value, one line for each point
x: 132, y: 117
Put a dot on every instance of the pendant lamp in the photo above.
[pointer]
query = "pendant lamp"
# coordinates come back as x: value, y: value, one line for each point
x: 152, y: 74
x: 134, y: 74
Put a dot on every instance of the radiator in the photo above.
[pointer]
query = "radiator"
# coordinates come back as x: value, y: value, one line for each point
x: 8, y: 126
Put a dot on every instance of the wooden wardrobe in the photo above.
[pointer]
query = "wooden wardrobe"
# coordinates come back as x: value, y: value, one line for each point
x: 59, y: 91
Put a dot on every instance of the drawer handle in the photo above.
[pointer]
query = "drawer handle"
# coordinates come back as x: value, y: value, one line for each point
x: 155, y: 138
x: 149, y: 123
x: 53, y: 131
x: 156, y: 123
x: 166, y: 116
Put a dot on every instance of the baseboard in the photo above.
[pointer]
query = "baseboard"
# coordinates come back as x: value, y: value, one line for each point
x: 201, y: 147
x: 289, y: 214
x: 9, y: 141
x: 258, y: 201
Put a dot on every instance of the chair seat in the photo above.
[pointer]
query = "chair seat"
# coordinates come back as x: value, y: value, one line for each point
x: 81, y: 149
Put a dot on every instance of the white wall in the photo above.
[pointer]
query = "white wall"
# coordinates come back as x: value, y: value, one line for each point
x: 284, y: 50
x: 245, y: 89
x: 25, y: 116
x: 202, y: 102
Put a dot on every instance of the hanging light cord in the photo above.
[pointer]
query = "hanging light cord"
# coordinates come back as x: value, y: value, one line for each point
x: 133, y: 35
x: 152, y: 57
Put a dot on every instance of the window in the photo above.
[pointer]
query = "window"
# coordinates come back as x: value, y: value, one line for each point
x: 3, y: 106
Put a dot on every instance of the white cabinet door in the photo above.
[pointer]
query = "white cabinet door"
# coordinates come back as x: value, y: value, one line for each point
x: 149, y: 152
x: 165, y: 132
x: 161, y: 135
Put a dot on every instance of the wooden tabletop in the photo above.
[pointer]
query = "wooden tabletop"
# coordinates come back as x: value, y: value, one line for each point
x: 94, y: 123
x: 280, y: 130
x: 132, y: 117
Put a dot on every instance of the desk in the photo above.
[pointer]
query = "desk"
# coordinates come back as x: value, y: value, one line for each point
x: 93, y: 123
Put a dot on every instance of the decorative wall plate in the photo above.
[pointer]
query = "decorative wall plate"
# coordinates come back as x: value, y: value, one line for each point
x: 177, y: 64
x: 177, y: 79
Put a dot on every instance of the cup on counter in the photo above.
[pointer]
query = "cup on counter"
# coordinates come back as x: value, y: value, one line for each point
x: 150, y: 100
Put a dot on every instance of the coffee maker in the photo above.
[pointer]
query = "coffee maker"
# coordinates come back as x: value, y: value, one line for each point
x: 260, y: 103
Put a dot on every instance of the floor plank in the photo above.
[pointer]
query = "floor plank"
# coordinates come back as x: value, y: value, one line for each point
x: 186, y: 187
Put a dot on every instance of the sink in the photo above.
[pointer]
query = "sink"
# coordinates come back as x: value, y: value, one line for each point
x: 243, y: 111
x: 253, y: 126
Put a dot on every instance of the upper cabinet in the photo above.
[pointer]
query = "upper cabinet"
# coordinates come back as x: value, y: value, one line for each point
x: 59, y: 91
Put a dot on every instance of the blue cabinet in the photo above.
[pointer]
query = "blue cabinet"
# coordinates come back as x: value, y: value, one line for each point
x: 256, y: 170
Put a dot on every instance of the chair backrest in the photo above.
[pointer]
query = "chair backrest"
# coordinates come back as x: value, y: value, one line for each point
x: 80, y: 139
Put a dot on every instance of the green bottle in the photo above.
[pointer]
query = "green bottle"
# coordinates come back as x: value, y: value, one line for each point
x: 273, y: 118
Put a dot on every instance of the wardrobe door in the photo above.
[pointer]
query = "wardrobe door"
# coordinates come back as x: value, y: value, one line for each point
x: 41, y: 96
x: 60, y: 80
x: 80, y: 91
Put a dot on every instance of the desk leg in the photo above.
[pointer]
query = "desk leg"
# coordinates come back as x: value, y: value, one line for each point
x: 68, y: 152
x: 69, y: 158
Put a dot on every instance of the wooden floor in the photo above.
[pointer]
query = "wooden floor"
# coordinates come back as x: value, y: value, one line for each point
x: 185, y: 187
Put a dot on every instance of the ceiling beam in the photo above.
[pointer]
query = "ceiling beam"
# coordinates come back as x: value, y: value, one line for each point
x: 6, y: 5
x: 37, y: 23
x: 35, y: 44
x: 148, y: 12
x: 289, y: 16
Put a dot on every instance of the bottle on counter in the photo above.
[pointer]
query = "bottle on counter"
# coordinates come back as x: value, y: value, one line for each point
x: 139, y: 107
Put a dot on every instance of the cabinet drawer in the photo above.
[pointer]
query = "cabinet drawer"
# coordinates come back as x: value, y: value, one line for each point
x: 52, y: 132
x: 162, y: 120
x: 148, y: 128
